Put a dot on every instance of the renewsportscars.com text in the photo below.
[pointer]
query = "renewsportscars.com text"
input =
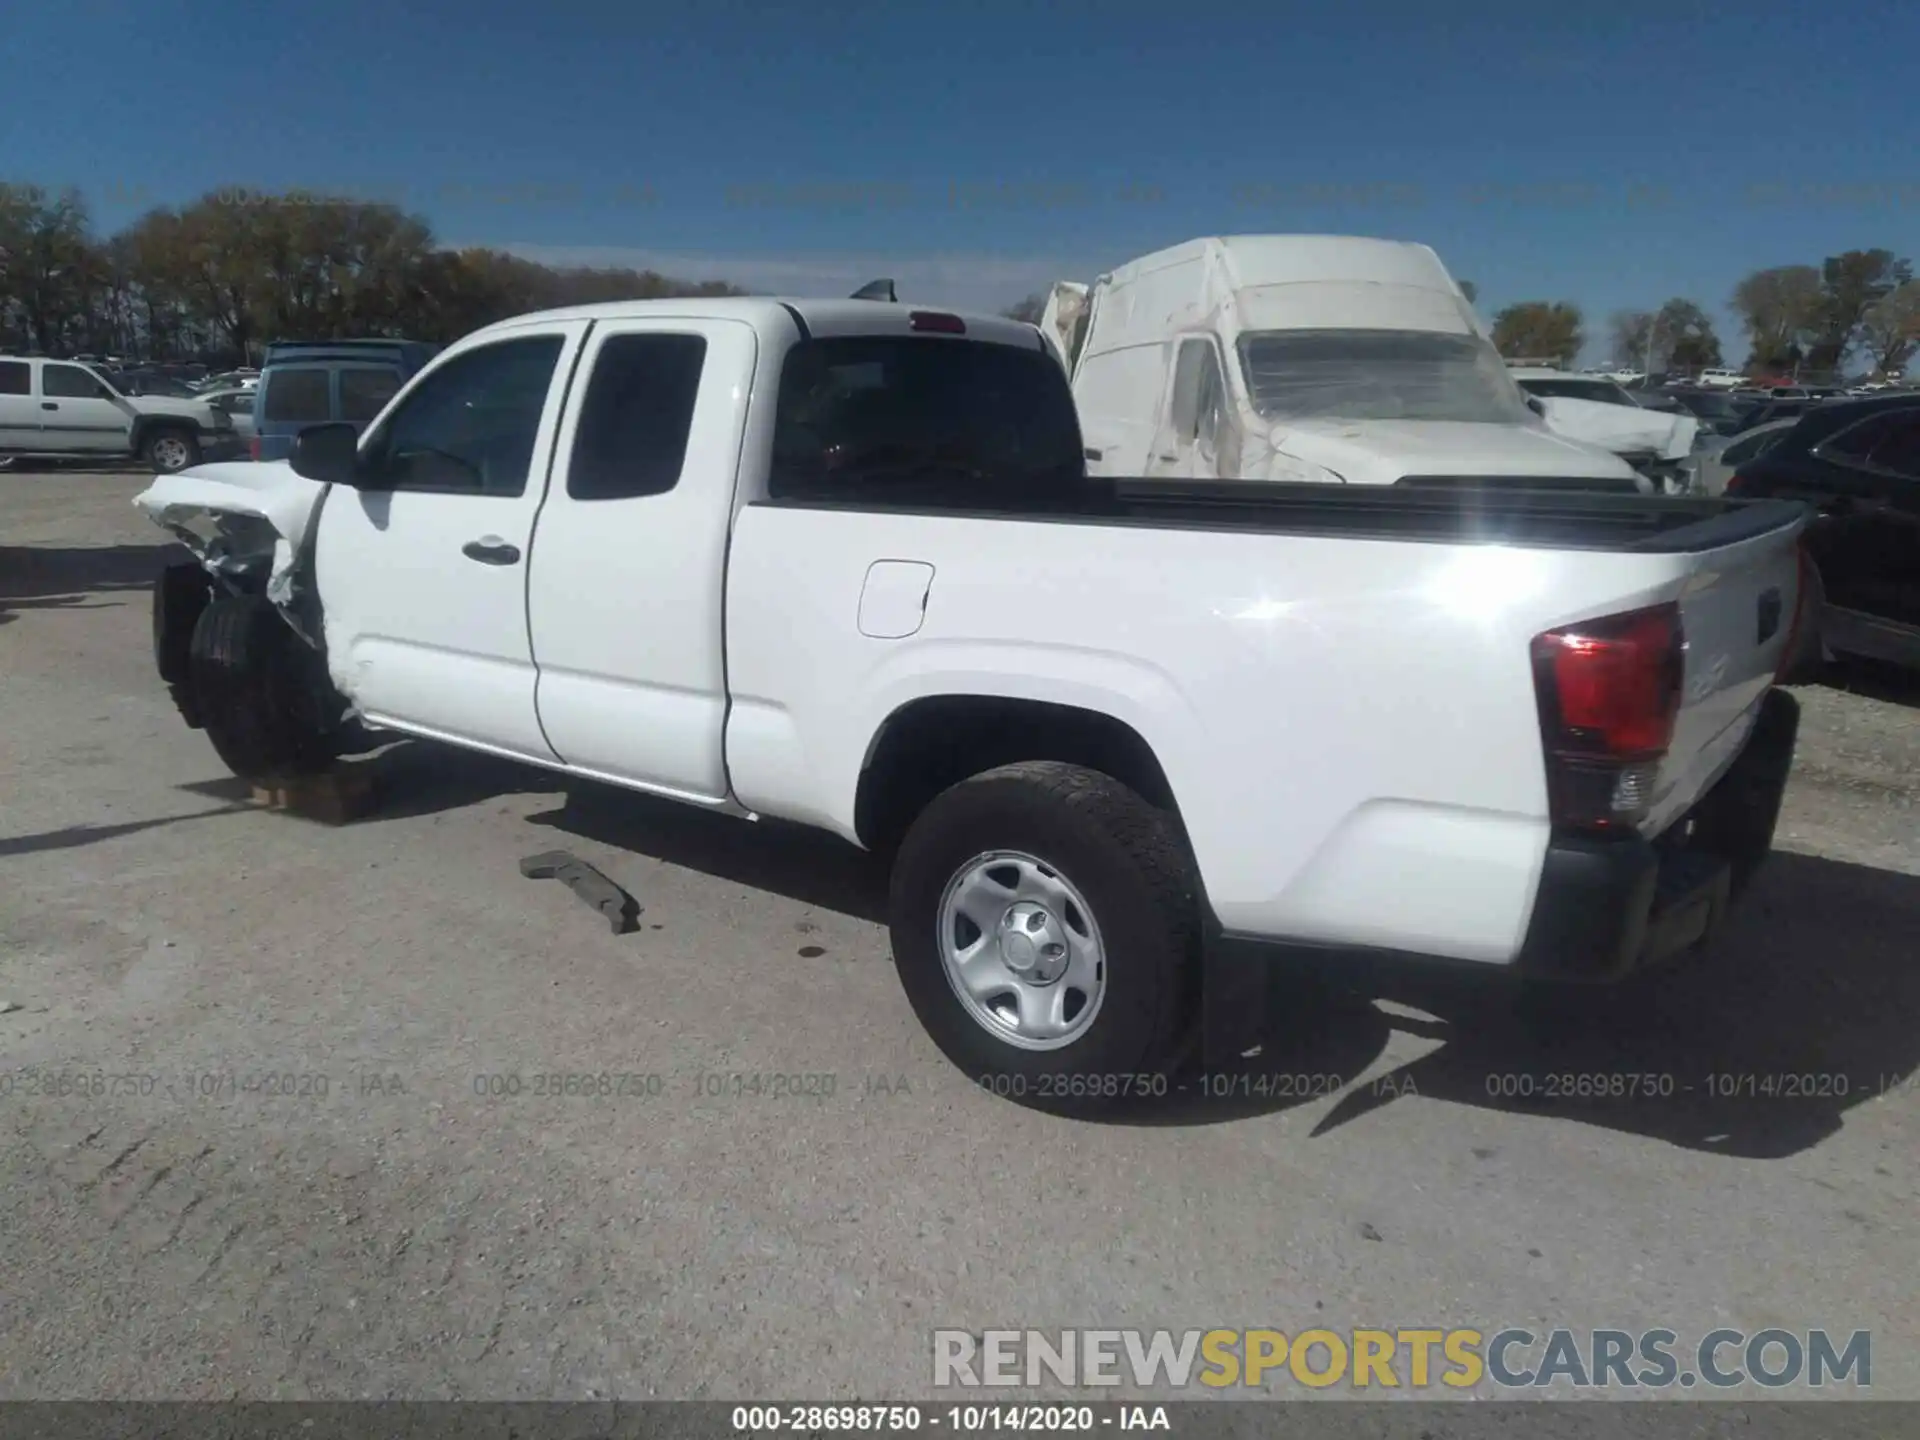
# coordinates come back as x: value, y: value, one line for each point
x: 1411, y: 1358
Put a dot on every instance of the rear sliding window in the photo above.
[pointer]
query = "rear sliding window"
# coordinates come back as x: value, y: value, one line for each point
x: 296, y: 396
x: 922, y: 420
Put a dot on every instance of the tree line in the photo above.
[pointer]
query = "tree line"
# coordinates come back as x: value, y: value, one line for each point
x: 217, y: 279
x: 1860, y: 308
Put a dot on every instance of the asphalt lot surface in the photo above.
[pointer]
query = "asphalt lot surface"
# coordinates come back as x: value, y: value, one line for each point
x: 177, y: 1229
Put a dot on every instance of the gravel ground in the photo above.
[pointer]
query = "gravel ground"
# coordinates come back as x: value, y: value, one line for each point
x: 190, y: 1234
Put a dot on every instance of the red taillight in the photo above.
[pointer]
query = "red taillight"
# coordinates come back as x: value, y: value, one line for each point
x: 253, y: 448
x: 1735, y: 483
x: 1609, y: 694
x: 937, y: 323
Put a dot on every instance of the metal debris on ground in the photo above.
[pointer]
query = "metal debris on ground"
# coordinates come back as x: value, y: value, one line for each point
x: 620, y: 908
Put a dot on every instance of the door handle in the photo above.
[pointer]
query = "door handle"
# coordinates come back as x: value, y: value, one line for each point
x: 1168, y: 458
x: 1091, y: 453
x: 491, y: 551
x: 48, y: 405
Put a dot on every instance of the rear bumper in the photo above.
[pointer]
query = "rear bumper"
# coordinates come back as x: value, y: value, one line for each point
x: 1604, y: 908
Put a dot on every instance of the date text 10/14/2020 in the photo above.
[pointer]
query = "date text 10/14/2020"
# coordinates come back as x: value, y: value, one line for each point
x: 956, y: 1419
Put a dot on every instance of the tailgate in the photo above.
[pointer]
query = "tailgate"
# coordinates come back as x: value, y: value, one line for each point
x: 1738, y: 605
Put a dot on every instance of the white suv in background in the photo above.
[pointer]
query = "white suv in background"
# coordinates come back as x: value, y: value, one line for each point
x: 61, y: 409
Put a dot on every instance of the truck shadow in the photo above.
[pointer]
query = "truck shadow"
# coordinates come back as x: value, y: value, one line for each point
x: 816, y: 869
x: 1802, y: 1010
x: 40, y: 577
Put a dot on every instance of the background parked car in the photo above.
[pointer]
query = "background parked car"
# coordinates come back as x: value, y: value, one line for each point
x: 312, y: 383
x: 237, y: 405
x: 57, y: 409
x: 1858, y: 463
x: 1718, y: 412
x: 1714, y: 465
x: 149, y: 382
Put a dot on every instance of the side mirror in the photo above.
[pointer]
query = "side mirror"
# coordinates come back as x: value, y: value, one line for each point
x: 328, y: 453
x: 1535, y: 404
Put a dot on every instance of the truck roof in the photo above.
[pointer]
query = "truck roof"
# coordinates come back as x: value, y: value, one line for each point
x: 818, y: 316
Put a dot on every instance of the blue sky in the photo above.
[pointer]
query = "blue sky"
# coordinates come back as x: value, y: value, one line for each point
x: 1611, y: 154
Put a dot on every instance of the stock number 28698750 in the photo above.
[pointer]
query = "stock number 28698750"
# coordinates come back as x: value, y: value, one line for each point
x: 553, y: 1084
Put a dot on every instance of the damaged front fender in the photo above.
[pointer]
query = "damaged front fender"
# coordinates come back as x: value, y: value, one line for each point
x: 247, y: 522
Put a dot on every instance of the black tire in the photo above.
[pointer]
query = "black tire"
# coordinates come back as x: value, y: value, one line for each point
x: 181, y: 594
x: 158, y: 451
x: 1127, y: 859
x: 256, y: 692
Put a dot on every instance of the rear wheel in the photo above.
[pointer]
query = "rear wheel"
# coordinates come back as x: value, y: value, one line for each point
x: 257, y: 692
x: 1044, y: 925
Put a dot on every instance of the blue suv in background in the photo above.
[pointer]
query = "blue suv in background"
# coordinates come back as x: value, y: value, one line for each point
x: 312, y: 382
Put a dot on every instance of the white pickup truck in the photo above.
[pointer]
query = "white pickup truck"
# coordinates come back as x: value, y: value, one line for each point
x: 1126, y: 741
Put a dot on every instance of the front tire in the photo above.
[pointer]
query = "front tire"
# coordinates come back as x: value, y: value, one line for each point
x: 1045, y: 927
x: 171, y: 450
x: 256, y: 693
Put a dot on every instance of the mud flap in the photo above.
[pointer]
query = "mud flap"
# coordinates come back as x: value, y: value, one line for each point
x: 181, y: 595
x: 1234, y: 978
x: 1736, y: 819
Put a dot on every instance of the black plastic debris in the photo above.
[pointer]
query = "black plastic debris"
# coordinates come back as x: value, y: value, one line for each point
x: 620, y: 908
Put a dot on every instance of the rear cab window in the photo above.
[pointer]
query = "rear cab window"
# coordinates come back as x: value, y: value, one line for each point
x: 922, y: 421
x: 297, y: 395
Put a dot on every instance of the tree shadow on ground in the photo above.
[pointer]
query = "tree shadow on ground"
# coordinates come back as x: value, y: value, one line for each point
x: 40, y: 577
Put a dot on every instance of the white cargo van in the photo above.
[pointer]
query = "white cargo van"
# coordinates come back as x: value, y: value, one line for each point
x: 1301, y: 357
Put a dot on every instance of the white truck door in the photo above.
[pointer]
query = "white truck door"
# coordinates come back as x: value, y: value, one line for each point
x: 19, y: 409
x: 423, y: 576
x: 79, y: 413
x: 626, y: 595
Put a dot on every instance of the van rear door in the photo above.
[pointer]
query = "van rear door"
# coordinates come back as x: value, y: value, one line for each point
x: 291, y: 397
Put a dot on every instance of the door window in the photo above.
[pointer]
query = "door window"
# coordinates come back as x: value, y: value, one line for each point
x: 470, y: 426
x: 1898, y: 451
x: 1186, y: 391
x: 1880, y: 442
x: 16, y: 377
x: 1211, y: 401
x: 632, y: 436
x: 70, y: 382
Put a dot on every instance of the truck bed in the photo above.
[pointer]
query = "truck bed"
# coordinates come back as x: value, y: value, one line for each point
x: 1547, y: 514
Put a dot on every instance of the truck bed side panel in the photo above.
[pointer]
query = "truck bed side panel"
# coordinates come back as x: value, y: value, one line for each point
x: 1348, y: 726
